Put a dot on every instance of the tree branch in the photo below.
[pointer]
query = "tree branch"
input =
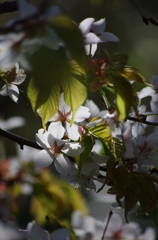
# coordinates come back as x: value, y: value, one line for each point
x: 8, y: 7
x: 21, y: 141
x: 145, y: 17
x: 141, y: 120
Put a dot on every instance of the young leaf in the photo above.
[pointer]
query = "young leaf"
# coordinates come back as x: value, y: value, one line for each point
x: 71, y: 36
x: 132, y: 194
x: 119, y: 148
x: 133, y: 74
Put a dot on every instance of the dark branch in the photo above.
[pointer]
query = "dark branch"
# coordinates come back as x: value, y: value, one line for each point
x: 8, y: 7
x: 21, y: 141
x: 141, y: 120
x: 145, y: 17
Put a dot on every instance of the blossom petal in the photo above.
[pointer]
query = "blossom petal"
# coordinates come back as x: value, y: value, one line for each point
x: 145, y: 92
x: 42, y: 138
x: 91, y: 49
x: 72, y: 131
x: 52, y: 141
x: 73, y: 149
x: 91, y: 38
x: 155, y: 81
x: 85, y: 25
x: 43, y: 159
x: 56, y: 129
x: 82, y: 114
x: 13, y: 92
x: 35, y: 232
x: 62, y: 164
x: 108, y: 37
x: 99, y: 26
x: 4, y: 90
x: 25, y: 9
x: 60, y: 234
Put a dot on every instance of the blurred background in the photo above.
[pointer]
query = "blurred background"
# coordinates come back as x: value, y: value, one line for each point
x: 138, y: 40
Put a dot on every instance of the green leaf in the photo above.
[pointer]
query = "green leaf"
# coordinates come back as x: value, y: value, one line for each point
x: 75, y: 93
x: 88, y: 144
x: 120, y: 148
x: 132, y: 194
x: 71, y: 36
x: 121, y: 183
x: 148, y: 196
x: 49, y: 69
x: 125, y: 97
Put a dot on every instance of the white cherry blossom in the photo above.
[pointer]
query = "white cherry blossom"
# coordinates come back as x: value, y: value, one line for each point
x: 55, y: 150
x: 149, y: 91
x: 93, y: 33
x: 12, y: 78
x: 60, y: 123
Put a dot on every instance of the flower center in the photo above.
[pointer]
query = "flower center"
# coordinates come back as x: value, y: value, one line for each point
x: 56, y: 150
x: 63, y: 116
x: 117, y: 235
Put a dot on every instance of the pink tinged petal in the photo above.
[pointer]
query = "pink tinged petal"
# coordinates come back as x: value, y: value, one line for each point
x: 73, y: 149
x: 56, y: 129
x: 62, y: 164
x: 82, y: 114
x: 155, y: 81
x: 60, y: 234
x: 4, y: 90
x: 13, y: 92
x: 145, y: 92
x: 43, y: 159
x: 25, y: 9
x: 35, y: 232
x: 72, y: 131
x: 42, y: 139
x: 85, y: 25
x: 91, y: 38
x: 99, y: 26
x: 108, y: 37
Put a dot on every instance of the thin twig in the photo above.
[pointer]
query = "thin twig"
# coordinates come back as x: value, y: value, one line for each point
x: 145, y: 17
x: 110, y: 214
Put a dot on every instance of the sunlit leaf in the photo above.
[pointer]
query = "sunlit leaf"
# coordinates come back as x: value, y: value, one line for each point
x: 132, y: 194
x: 50, y: 69
x: 133, y: 74
x: 125, y: 97
x: 71, y: 36
x: 119, y: 148
x: 75, y: 93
